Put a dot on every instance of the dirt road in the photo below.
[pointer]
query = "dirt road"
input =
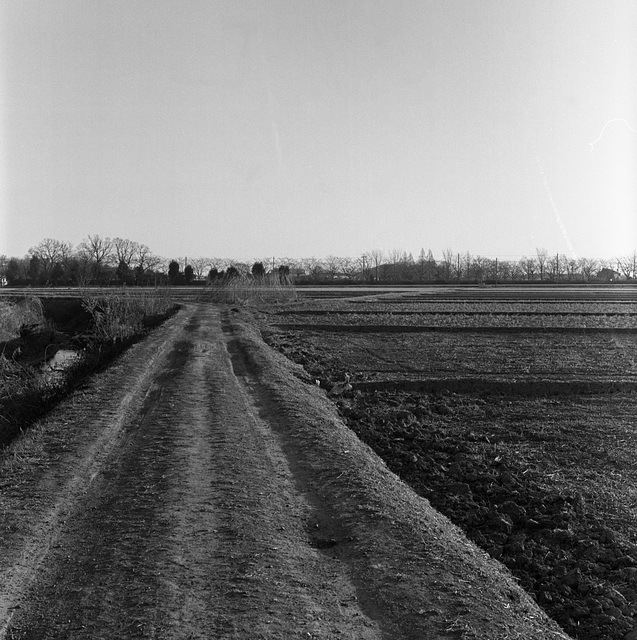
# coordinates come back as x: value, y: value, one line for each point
x: 199, y: 489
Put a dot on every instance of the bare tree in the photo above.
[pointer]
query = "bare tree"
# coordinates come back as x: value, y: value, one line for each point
x: 297, y: 267
x: 516, y: 273
x: 627, y: 266
x: 332, y: 266
x: 376, y: 259
x: 528, y: 267
x: 200, y: 267
x: 425, y: 267
x: 447, y: 264
x: 98, y: 253
x: 216, y: 264
x: 478, y: 268
x: 552, y: 267
x: 349, y: 267
x: 493, y: 269
x: 420, y: 265
x: 66, y: 253
x: 146, y: 260
x: 557, y: 266
x: 363, y: 266
x: 314, y: 268
x: 404, y: 267
x: 542, y: 258
x: 508, y: 270
x: 51, y: 253
x: 125, y: 251
x: 463, y: 266
x: 587, y: 267
x: 395, y: 256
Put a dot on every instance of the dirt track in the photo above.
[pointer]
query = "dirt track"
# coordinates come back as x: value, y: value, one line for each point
x: 198, y: 489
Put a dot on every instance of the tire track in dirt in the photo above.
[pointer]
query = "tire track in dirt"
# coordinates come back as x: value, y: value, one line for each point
x: 186, y: 521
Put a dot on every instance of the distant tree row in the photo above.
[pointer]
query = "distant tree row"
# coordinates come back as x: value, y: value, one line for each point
x: 103, y: 261
x: 95, y: 260
x: 401, y: 267
x: 397, y: 266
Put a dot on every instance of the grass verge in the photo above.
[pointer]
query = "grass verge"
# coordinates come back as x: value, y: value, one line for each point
x: 118, y: 320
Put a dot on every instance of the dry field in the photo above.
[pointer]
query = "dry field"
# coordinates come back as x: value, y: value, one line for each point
x: 512, y: 411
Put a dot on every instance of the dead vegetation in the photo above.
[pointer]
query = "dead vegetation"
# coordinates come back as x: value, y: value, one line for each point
x: 99, y: 328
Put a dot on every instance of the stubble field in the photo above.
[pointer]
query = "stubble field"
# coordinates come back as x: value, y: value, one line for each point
x: 512, y: 411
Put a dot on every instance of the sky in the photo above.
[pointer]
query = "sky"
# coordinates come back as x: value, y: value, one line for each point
x: 297, y: 128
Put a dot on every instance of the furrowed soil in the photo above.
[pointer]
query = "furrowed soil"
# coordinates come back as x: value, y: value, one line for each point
x: 201, y: 488
x: 524, y: 440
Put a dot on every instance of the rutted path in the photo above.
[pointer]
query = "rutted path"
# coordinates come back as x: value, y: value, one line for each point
x: 162, y: 543
x: 174, y: 498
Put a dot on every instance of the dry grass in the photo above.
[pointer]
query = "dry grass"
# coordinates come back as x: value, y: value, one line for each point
x: 15, y: 314
x: 247, y: 289
x: 119, y: 318
x: 121, y: 314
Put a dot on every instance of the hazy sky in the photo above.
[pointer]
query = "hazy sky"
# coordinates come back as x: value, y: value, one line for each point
x: 297, y: 128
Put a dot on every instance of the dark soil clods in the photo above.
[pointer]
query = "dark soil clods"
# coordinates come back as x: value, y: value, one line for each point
x: 468, y: 451
x: 577, y: 568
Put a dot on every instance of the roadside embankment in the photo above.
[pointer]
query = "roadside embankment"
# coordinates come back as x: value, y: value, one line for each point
x: 411, y: 565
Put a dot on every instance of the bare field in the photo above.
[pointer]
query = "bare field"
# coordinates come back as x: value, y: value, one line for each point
x: 401, y: 356
x: 523, y: 438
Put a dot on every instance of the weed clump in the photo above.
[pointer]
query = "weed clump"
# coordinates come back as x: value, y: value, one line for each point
x: 246, y: 289
x: 121, y: 315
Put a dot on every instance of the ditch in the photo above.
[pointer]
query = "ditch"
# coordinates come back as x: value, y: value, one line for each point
x: 52, y: 355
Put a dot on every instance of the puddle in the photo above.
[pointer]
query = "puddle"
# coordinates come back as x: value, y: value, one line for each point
x: 60, y: 361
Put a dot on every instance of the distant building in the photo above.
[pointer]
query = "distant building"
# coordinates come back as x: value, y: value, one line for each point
x: 608, y: 275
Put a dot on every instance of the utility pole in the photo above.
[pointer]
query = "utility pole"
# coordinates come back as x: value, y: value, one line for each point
x: 496, y: 272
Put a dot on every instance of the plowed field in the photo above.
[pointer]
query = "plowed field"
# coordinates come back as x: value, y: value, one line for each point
x: 518, y: 425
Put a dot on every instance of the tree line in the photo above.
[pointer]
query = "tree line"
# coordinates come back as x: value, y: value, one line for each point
x: 98, y: 260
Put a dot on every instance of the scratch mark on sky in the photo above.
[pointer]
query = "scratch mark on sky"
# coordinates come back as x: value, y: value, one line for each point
x: 272, y: 112
x: 556, y: 212
x: 277, y: 143
x: 271, y: 101
x: 601, y: 135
